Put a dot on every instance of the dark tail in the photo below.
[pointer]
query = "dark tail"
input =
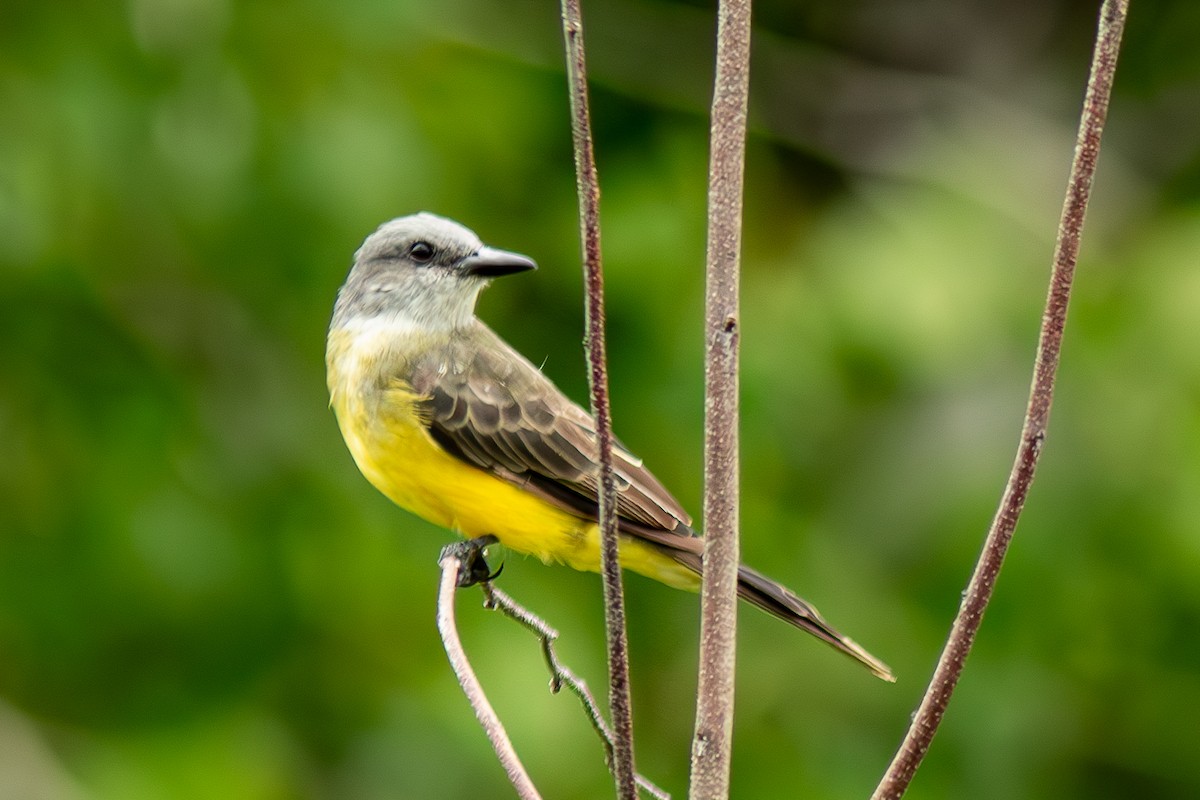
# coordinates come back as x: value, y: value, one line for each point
x: 686, y: 548
x: 779, y: 601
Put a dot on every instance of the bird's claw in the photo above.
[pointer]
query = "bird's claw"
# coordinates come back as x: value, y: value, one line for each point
x: 470, y: 555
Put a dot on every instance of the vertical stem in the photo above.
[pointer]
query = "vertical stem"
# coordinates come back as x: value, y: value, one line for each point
x: 712, y: 742
x: 589, y: 213
x: 979, y: 591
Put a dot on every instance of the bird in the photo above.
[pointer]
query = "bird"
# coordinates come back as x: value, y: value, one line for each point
x: 450, y: 422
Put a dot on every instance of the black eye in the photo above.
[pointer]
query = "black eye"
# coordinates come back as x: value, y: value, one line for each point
x: 421, y: 252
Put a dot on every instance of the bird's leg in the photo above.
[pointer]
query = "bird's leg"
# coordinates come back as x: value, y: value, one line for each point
x: 474, y: 568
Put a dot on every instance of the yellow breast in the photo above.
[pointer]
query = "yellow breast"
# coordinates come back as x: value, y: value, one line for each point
x: 390, y: 442
x: 382, y: 423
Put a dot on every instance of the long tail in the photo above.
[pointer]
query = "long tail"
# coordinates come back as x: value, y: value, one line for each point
x: 779, y: 601
x: 759, y: 590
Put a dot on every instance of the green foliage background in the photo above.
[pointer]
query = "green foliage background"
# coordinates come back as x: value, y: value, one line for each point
x: 199, y: 595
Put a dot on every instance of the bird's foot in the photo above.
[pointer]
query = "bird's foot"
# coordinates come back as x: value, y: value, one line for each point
x: 470, y: 554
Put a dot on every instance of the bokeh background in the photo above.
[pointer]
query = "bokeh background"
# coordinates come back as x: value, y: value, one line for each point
x: 200, y: 597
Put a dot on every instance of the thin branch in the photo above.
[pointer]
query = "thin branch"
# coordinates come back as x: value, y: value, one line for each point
x: 561, y: 675
x: 610, y: 566
x: 979, y: 591
x: 712, y: 742
x: 451, y: 565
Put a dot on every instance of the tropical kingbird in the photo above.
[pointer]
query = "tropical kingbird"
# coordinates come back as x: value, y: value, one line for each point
x: 453, y: 424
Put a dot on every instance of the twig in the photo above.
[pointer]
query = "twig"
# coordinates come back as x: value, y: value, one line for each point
x: 484, y: 712
x: 925, y: 722
x: 561, y: 675
x: 610, y: 566
x: 712, y: 742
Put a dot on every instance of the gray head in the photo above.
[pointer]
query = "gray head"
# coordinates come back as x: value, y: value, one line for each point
x: 423, y: 271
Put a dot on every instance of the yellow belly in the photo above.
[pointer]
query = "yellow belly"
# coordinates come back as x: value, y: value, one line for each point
x: 398, y: 456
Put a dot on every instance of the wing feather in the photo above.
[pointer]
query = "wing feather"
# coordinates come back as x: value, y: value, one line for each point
x: 492, y: 408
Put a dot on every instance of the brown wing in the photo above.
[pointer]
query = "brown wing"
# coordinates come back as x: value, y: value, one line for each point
x: 492, y: 408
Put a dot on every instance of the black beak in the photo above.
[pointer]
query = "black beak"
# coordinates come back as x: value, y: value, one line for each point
x: 488, y: 262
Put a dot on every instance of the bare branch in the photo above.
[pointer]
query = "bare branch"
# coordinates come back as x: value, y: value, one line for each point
x: 561, y: 675
x: 610, y: 567
x: 712, y: 742
x: 451, y: 565
x: 979, y: 591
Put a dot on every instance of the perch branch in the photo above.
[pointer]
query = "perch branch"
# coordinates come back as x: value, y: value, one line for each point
x: 610, y: 567
x: 451, y: 565
x: 929, y: 714
x: 561, y: 675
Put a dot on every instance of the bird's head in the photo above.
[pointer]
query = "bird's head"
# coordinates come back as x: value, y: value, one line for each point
x: 422, y: 270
